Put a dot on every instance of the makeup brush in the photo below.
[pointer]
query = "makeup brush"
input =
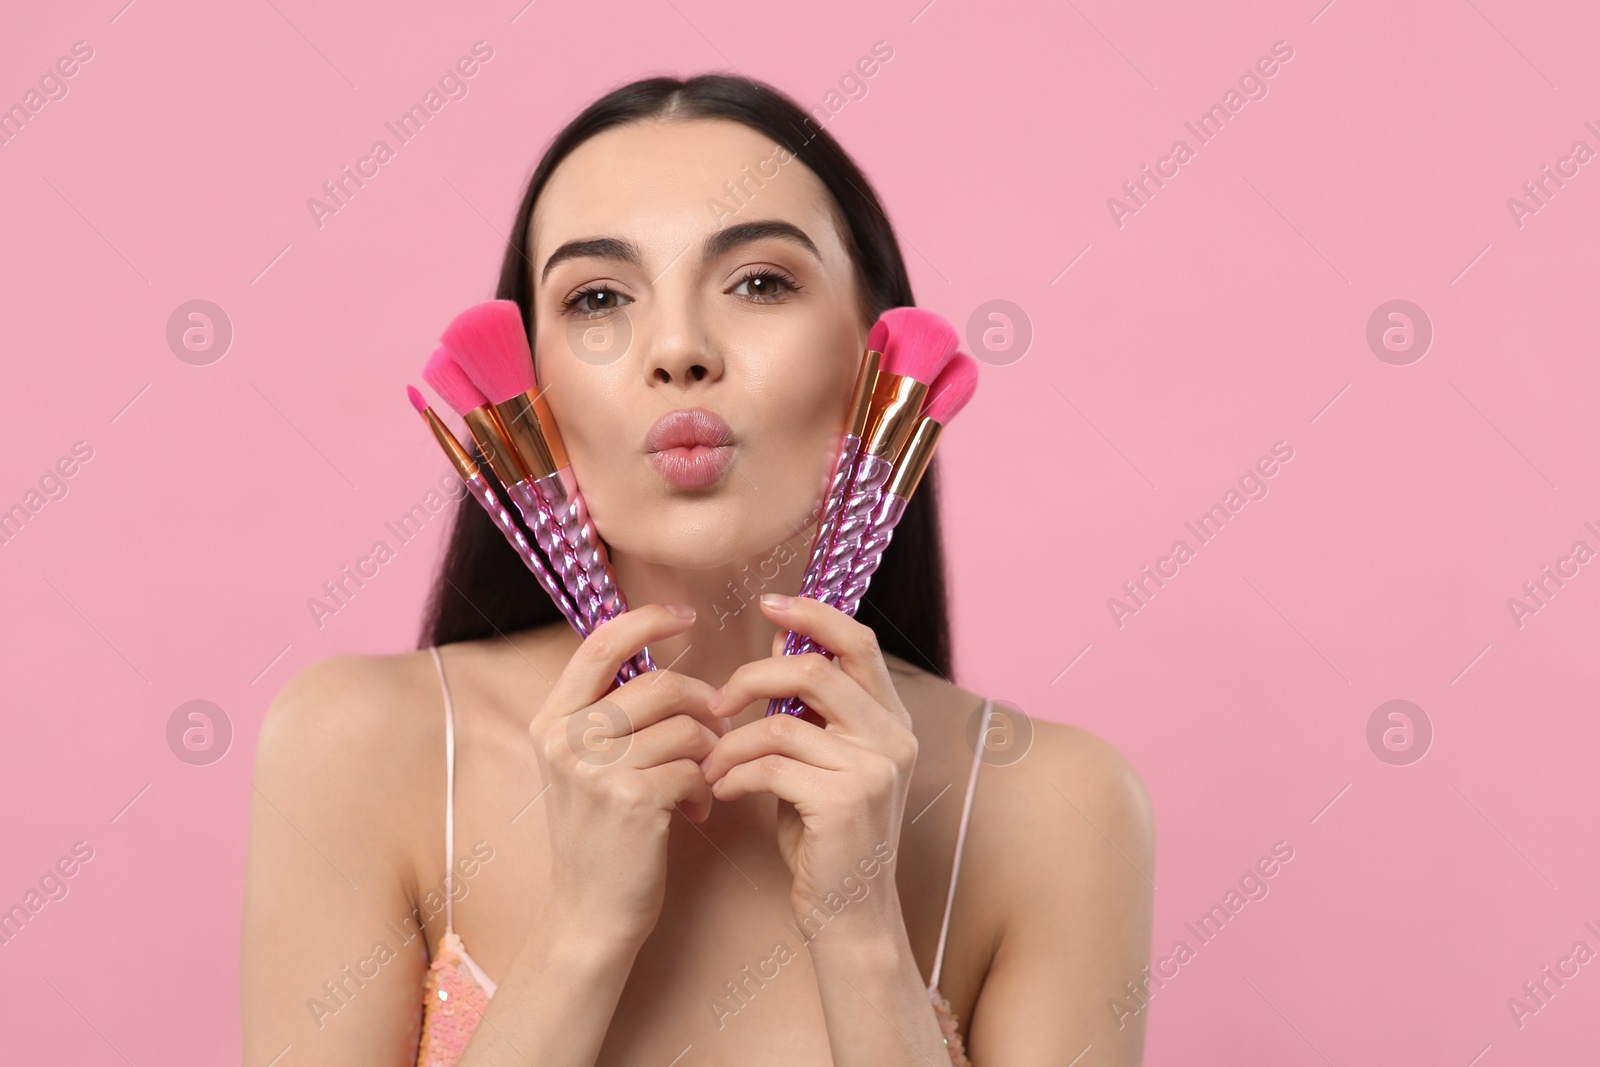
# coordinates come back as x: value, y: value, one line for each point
x: 916, y: 345
x: 950, y: 392
x: 838, y: 490
x: 514, y: 467
x: 490, y: 344
x: 479, y: 485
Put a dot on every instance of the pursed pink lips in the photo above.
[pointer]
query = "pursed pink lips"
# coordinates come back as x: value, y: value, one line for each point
x: 691, y: 449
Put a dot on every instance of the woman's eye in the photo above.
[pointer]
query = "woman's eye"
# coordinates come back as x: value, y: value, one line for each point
x: 595, y: 301
x: 765, y: 285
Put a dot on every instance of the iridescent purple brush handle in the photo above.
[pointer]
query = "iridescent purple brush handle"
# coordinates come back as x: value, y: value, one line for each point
x: 884, y: 520
x: 870, y: 476
x: 867, y: 489
x: 586, y: 559
x: 547, y: 535
x: 832, y: 509
x: 853, y: 586
x: 486, y: 496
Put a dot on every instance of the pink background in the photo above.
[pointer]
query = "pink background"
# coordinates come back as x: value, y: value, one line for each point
x: 1227, y: 314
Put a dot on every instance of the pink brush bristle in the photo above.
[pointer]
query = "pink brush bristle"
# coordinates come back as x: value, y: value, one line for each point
x: 877, y: 336
x: 446, y: 378
x: 952, y: 389
x: 418, y: 401
x: 490, y: 343
x: 918, y: 343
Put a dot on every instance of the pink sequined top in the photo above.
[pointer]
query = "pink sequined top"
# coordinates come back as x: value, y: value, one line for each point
x: 456, y: 992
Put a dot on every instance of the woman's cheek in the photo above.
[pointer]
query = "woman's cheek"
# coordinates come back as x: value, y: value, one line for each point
x: 807, y: 456
x: 614, y: 482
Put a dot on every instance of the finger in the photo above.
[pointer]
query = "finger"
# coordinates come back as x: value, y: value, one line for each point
x: 853, y: 643
x: 598, y: 736
x: 785, y: 778
x: 657, y: 695
x: 679, y: 737
x: 681, y: 784
x: 814, y: 678
x: 590, y: 672
x: 785, y: 735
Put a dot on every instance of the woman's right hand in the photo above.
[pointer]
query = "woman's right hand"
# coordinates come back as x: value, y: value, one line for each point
x: 614, y: 766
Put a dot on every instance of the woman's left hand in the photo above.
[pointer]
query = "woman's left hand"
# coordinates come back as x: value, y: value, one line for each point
x: 841, y: 788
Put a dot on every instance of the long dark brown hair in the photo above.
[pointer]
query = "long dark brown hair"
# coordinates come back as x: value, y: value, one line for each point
x: 483, y: 589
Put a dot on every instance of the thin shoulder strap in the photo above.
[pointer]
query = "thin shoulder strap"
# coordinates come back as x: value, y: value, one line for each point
x: 961, y: 840
x: 449, y: 794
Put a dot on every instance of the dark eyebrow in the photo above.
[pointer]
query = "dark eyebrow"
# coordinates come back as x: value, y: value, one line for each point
x: 594, y: 247
x: 732, y: 237
x: 724, y: 240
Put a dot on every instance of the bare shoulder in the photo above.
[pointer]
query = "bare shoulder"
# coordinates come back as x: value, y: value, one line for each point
x: 1057, y: 763
x: 1053, y: 800
x: 944, y: 716
x: 345, y: 700
x: 1068, y: 843
x: 364, y: 735
x: 1050, y: 751
x: 339, y: 792
x: 338, y: 692
x: 348, y: 736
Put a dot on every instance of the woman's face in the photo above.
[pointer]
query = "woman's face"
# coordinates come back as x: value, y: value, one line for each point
x: 701, y: 409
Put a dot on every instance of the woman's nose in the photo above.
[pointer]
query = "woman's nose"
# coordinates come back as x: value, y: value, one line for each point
x: 689, y: 372
x: 682, y: 358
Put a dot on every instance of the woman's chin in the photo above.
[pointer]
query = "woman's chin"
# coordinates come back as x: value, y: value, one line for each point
x: 728, y: 550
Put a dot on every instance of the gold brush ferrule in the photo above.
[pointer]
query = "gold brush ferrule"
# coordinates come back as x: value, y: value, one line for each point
x: 914, y: 463
x: 485, y: 428
x: 896, y: 402
x: 531, y: 429
x: 861, y: 395
x: 547, y: 427
x: 452, y: 448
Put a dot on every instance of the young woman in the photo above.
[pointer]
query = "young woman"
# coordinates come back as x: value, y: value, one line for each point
x: 485, y: 853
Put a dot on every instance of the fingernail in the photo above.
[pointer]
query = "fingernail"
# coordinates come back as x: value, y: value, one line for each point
x: 776, y: 600
x: 682, y: 611
x: 716, y: 700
